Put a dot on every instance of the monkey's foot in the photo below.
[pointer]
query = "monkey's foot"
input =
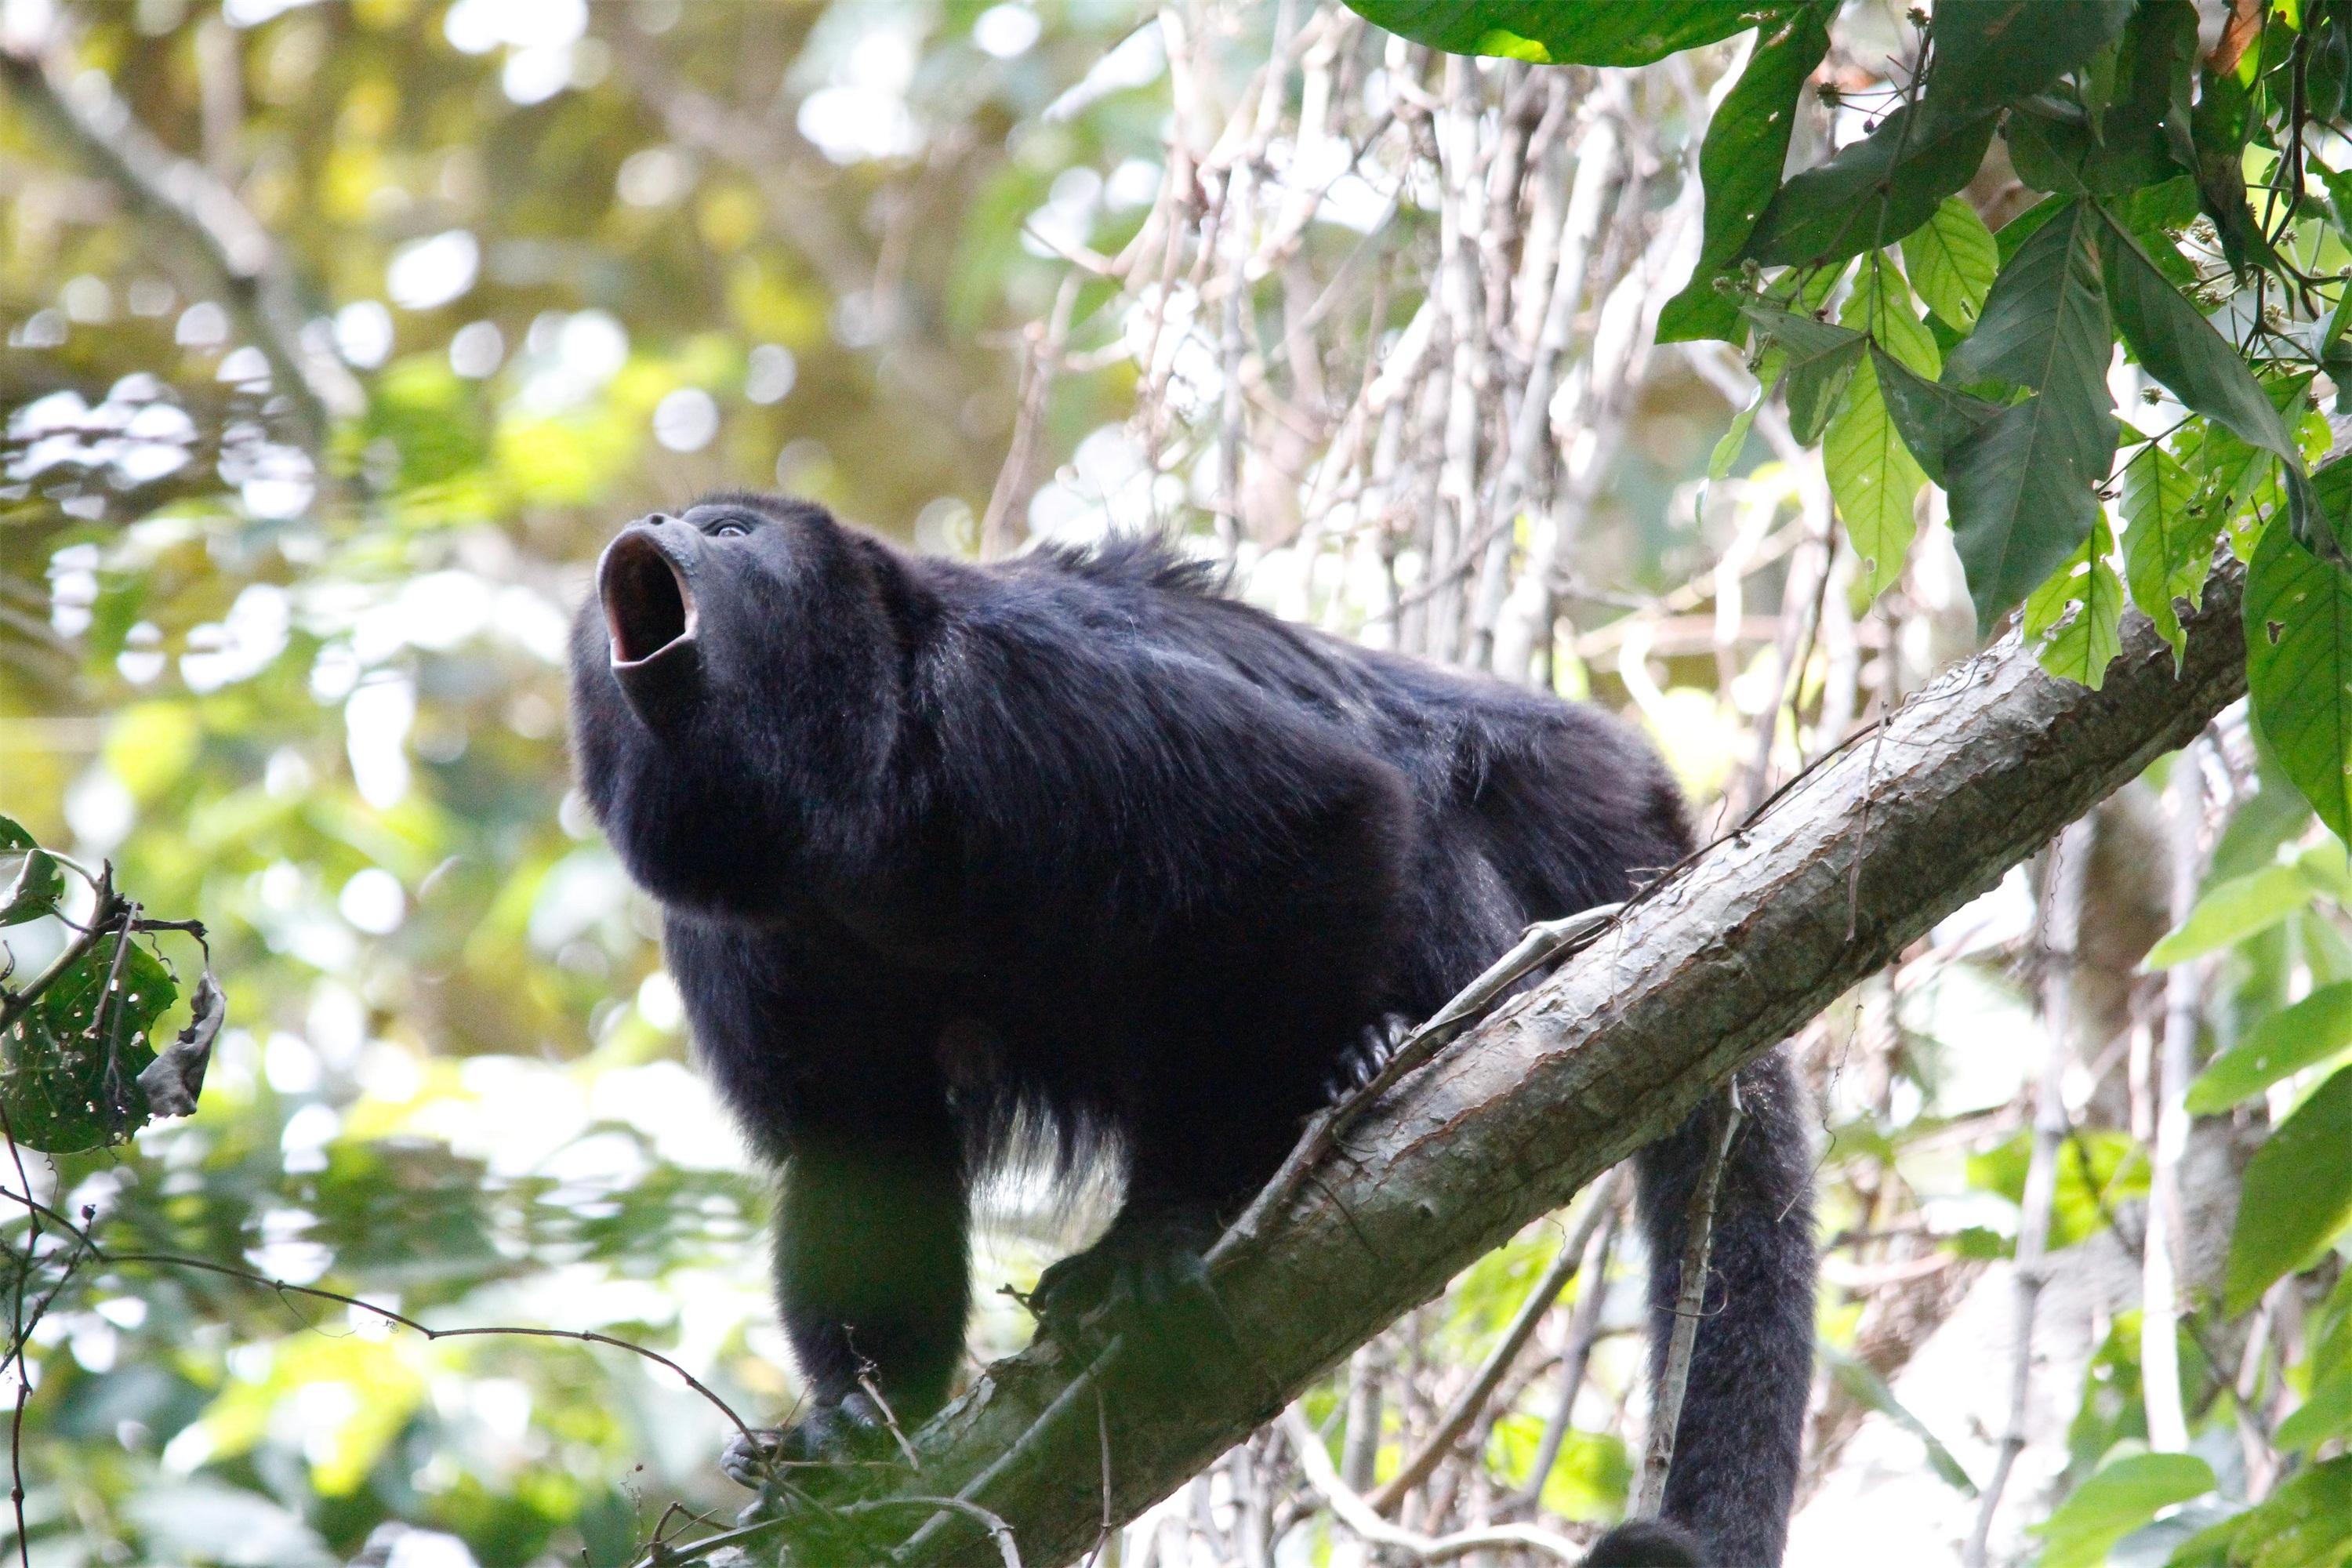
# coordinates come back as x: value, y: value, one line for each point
x: 1150, y: 1274
x: 840, y: 1434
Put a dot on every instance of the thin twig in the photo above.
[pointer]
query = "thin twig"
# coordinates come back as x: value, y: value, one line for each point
x: 1583, y: 1332
x: 1472, y: 1401
x: 2159, y: 1350
x: 1690, y: 1304
x: 1000, y: 530
x: 1359, y: 1515
x: 88, y: 1240
x: 2061, y: 920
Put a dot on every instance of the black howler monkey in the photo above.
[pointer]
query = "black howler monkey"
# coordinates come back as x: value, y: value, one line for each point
x: 1071, y: 840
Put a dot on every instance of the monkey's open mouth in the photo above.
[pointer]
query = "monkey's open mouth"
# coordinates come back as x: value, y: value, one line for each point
x: 647, y: 605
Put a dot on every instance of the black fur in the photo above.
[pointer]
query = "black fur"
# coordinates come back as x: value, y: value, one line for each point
x: 950, y: 854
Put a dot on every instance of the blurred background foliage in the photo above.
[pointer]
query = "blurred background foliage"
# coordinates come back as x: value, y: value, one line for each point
x: 298, y: 498
x: 578, y: 267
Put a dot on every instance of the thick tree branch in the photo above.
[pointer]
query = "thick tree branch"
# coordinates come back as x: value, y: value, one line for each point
x: 1733, y: 953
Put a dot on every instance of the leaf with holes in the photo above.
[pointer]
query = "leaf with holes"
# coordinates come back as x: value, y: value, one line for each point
x: 1739, y: 169
x: 2075, y: 621
x: 1953, y: 259
x: 2168, y: 541
x: 2298, y: 1193
x: 69, y: 1067
x: 2298, y: 611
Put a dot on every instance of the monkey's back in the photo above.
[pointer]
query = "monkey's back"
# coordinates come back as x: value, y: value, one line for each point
x: 1525, y: 806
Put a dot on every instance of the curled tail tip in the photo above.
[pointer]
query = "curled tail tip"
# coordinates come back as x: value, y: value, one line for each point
x: 1647, y: 1543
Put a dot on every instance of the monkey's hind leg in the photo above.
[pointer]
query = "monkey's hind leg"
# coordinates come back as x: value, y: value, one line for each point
x: 873, y: 1282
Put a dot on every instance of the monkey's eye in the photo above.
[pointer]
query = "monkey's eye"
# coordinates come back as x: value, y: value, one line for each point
x: 731, y: 530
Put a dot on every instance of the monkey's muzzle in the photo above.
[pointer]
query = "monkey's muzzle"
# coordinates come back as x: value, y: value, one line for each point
x: 649, y: 614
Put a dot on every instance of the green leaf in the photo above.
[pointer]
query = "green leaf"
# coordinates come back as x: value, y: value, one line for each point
x: 1820, y: 360
x: 2298, y: 1190
x: 2050, y: 144
x: 2177, y: 345
x: 1567, y: 32
x: 2143, y: 137
x: 2232, y: 910
x: 1865, y: 1387
x: 2326, y: 1414
x: 1880, y: 305
x: 2097, y: 1169
x: 1872, y: 474
x: 2218, y: 127
x: 2284, y: 1044
x: 2298, y: 611
x: 2010, y: 237
x: 1877, y: 190
x: 1933, y: 418
x: 70, y: 1067
x: 2307, y: 1523
x: 2019, y: 503
x: 2140, y: 137
x: 2075, y: 618
x: 1875, y: 482
x: 1735, y: 439
x: 2277, y: 813
x: 12, y: 837
x: 1952, y: 259
x: 2167, y: 543
x: 2045, y: 323
x: 1739, y: 168
x: 2121, y: 1498
x: 2022, y: 485
x: 1989, y: 51
x: 34, y: 891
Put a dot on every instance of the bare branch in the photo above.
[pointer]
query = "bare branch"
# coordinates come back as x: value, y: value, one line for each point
x: 1357, y: 1514
x: 2160, y: 1348
x: 2062, y: 923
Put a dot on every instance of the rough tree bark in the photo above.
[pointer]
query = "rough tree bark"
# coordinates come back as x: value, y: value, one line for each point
x: 1731, y: 954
